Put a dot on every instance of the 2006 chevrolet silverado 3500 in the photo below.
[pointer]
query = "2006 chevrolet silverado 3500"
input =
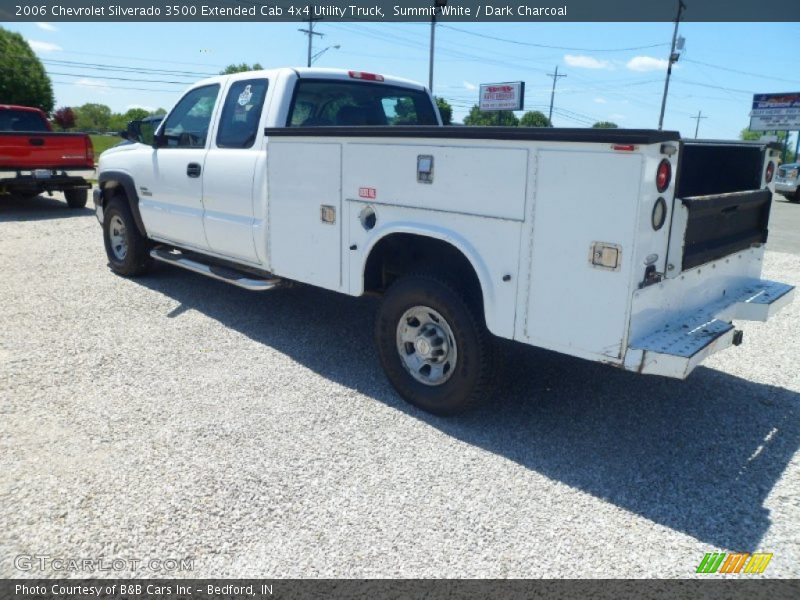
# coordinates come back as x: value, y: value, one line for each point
x: 629, y: 247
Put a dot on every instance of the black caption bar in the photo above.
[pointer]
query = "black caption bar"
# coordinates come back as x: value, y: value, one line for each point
x: 382, y: 589
x: 396, y: 10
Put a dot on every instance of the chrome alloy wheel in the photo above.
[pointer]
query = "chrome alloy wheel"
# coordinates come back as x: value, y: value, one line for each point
x: 118, y: 236
x: 426, y: 345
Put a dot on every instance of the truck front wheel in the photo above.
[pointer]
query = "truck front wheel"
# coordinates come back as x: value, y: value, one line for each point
x: 128, y: 250
x: 433, y: 345
x: 76, y: 198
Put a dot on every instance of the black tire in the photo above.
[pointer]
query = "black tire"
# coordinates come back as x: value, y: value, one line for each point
x: 466, y: 386
x: 76, y: 198
x: 136, y: 258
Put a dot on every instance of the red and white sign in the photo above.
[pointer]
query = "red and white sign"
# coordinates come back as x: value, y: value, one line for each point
x: 502, y: 96
x: 367, y: 192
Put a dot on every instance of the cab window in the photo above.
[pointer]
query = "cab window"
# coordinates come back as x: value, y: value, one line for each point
x: 241, y: 114
x: 187, y: 125
x: 351, y: 103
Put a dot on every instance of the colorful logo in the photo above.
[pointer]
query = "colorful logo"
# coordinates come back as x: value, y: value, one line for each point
x: 720, y: 562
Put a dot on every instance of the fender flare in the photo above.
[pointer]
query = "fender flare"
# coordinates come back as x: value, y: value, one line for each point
x: 126, y: 181
x: 444, y: 235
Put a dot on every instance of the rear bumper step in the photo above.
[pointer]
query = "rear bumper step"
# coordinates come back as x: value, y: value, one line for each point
x: 677, y: 347
x: 226, y: 274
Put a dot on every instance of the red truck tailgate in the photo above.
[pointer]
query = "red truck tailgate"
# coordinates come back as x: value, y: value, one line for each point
x: 45, y: 150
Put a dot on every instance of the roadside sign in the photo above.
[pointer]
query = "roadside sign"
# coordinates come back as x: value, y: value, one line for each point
x: 502, y: 96
x: 775, y: 112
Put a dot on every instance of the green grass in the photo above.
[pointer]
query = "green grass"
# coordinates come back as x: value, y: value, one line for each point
x: 104, y: 142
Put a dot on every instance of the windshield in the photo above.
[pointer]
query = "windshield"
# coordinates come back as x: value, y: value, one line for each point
x: 21, y: 120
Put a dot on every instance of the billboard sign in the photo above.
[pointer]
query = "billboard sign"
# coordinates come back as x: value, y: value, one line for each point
x: 775, y: 112
x: 502, y: 96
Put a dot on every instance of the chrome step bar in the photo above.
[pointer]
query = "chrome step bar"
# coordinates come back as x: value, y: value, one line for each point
x: 226, y: 274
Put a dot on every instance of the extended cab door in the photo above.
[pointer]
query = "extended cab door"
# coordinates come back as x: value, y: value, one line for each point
x: 170, y: 188
x: 228, y: 178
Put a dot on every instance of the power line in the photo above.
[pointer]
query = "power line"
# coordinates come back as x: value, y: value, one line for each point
x: 106, y: 67
x: 116, y: 87
x: 721, y: 68
x: 121, y: 78
x: 533, y: 45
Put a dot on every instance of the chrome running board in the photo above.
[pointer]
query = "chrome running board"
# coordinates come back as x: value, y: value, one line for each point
x: 226, y: 274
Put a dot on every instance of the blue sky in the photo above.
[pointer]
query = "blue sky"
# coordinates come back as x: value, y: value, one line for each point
x: 615, y: 71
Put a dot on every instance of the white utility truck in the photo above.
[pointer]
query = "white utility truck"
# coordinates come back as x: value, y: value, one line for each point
x: 629, y: 247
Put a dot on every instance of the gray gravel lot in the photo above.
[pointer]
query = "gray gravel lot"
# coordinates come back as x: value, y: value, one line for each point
x: 177, y: 417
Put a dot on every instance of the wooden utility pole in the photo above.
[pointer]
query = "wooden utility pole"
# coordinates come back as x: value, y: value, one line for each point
x: 697, y: 118
x: 555, y: 77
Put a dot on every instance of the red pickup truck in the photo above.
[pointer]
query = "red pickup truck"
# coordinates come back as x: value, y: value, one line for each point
x: 34, y: 159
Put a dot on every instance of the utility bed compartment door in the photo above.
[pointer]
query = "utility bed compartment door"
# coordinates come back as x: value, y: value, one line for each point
x: 723, y: 224
x: 305, y: 212
x: 582, y: 198
x: 487, y: 181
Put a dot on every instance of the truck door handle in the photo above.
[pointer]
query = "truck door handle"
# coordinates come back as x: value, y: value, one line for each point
x: 193, y: 170
x: 36, y: 141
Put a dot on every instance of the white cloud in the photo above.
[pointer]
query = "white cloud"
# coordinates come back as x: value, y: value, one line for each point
x: 147, y: 108
x: 617, y: 117
x: 470, y: 86
x: 94, y: 84
x: 38, y: 46
x: 647, y: 63
x: 600, y: 100
x: 582, y: 61
x: 47, y: 26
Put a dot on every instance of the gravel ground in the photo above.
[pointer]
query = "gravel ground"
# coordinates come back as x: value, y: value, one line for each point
x: 177, y: 417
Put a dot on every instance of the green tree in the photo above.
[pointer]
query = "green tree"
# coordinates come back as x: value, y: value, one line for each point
x: 748, y: 134
x: 480, y: 118
x: 23, y: 79
x: 240, y: 68
x: 119, y: 121
x: 92, y: 117
x: 534, y: 118
x: 445, y: 110
x: 605, y: 125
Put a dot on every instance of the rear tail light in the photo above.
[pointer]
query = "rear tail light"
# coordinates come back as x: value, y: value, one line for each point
x: 770, y: 171
x: 89, y: 150
x: 663, y: 175
x: 365, y: 76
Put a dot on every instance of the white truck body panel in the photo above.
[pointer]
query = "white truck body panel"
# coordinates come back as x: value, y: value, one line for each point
x: 528, y: 215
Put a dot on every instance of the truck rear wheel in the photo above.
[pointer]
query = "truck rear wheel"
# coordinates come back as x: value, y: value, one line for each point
x: 76, y: 198
x: 433, y: 345
x: 128, y: 250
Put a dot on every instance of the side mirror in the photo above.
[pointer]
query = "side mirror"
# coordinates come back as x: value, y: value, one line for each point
x: 132, y: 133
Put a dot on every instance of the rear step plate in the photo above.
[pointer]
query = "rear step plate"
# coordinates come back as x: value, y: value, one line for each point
x: 677, y: 347
x: 226, y: 274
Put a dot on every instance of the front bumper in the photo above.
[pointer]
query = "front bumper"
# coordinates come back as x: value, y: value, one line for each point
x: 786, y: 187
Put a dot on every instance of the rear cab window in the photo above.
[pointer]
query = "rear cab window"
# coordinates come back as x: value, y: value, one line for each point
x: 22, y: 120
x: 329, y: 103
x: 241, y: 113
